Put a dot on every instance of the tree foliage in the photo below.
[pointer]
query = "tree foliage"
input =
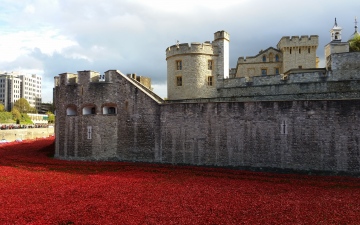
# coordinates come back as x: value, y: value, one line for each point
x: 23, y: 106
x: 6, y: 117
x: 2, y: 108
x: 16, y: 115
x: 354, y: 44
x: 51, y: 117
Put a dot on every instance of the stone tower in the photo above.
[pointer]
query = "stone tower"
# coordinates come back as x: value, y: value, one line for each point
x: 298, y: 52
x: 335, y: 45
x: 193, y: 68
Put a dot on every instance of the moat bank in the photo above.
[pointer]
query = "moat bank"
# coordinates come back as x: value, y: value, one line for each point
x: 28, y: 133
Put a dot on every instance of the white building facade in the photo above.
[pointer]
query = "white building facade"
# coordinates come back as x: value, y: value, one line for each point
x: 14, y: 86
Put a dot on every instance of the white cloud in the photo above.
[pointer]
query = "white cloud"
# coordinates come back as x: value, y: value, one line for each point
x: 186, y: 6
x: 19, y: 43
x: 29, y: 9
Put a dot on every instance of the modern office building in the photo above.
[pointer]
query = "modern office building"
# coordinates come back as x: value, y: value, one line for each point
x: 14, y: 86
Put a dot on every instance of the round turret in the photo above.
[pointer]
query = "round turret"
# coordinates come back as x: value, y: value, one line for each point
x: 192, y: 69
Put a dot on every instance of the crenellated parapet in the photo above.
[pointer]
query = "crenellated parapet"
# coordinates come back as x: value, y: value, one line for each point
x: 190, y: 48
x: 219, y: 35
x: 66, y: 79
x: 81, y: 78
x: 297, y: 41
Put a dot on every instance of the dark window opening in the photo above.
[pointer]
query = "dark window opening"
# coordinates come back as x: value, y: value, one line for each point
x: 179, y: 65
x: 179, y: 81
x: 210, y: 81
x: 111, y: 110
x: 263, y: 72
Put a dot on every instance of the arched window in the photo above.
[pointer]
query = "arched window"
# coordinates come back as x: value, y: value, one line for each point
x: 71, y: 110
x: 276, y: 58
x: 89, y: 110
x: 264, y: 58
x: 109, y: 110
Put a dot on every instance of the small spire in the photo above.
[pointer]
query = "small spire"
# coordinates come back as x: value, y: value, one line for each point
x: 356, y: 25
x: 335, y: 22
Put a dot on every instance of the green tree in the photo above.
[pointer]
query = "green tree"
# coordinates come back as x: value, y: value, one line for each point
x: 2, y: 108
x: 51, y: 117
x: 354, y: 44
x: 16, y: 115
x: 23, y: 106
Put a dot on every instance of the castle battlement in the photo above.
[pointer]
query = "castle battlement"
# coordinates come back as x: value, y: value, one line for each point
x: 82, y: 78
x: 190, y: 48
x: 297, y: 41
x: 221, y: 35
x: 67, y: 78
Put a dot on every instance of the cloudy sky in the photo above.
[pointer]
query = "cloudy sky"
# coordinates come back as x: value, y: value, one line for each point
x: 49, y: 37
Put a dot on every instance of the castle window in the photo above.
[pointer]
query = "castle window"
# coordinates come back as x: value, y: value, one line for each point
x: 210, y: 81
x: 299, y: 50
x: 263, y: 72
x: 300, y: 67
x: 109, y: 110
x: 264, y: 58
x: 71, y: 111
x: 89, y: 132
x: 210, y: 64
x: 89, y: 110
x: 277, y: 71
x: 179, y: 81
x: 290, y: 50
x: 283, y: 127
x: 178, y: 64
x: 308, y: 50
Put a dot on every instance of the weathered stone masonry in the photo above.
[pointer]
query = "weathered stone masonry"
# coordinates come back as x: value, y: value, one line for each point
x: 301, y: 135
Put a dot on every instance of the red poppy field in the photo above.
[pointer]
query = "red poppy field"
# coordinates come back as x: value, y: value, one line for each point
x: 38, y: 189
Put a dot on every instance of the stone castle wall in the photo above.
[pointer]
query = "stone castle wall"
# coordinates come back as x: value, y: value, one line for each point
x: 299, y: 135
x: 123, y: 134
x: 315, y: 129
